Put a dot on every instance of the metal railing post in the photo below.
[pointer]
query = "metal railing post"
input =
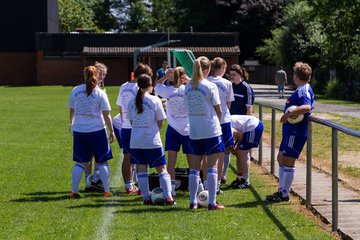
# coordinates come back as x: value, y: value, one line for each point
x: 260, y: 144
x: 309, y: 164
x: 335, y: 196
x: 273, y: 133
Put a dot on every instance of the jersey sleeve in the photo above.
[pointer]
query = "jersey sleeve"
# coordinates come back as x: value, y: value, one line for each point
x: 249, y: 101
x: 104, y: 102
x: 71, y: 100
x: 215, y: 95
x: 118, y: 100
x: 161, y: 90
x: 230, y: 94
x: 159, y: 110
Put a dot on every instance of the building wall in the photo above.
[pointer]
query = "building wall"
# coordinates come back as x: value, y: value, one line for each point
x: 17, y: 68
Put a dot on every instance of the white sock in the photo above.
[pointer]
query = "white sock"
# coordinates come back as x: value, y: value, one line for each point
x: 226, y: 164
x: 289, y: 174
x: 281, y: 178
x: 144, y: 185
x: 77, y: 172
x: 201, y: 186
x: 104, y: 172
x: 212, y: 176
x: 134, y: 174
x: 245, y: 177
x: 218, y: 185
x: 128, y: 184
x: 173, y: 190
x: 194, y: 176
x: 165, y: 182
x: 96, y: 171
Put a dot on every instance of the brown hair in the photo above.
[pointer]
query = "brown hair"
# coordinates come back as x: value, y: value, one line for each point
x: 144, y: 81
x: 216, y: 64
x: 178, y: 72
x: 303, y: 71
x: 90, y: 75
x: 240, y: 70
x: 200, y: 65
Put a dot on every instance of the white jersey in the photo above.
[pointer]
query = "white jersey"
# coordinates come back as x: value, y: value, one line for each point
x: 244, y: 123
x: 88, y: 109
x: 176, y: 111
x: 200, y: 103
x: 145, y: 133
x: 226, y: 95
x: 127, y: 91
x: 117, y: 122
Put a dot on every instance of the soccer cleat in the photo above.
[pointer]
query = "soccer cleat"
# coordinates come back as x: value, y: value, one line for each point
x: 223, y: 180
x: 243, y: 184
x: 169, y: 202
x: 132, y: 190
x: 138, y: 192
x: 95, y: 186
x: 194, y: 206
x: 107, y: 194
x: 219, y: 192
x: 74, y: 195
x: 147, y: 202
x: 277, y: 197
x: 215, y: 207
x: 235, y: 184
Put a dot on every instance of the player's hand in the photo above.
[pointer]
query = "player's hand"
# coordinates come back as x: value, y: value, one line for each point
x: 285, y: 117
x: 111, y: 137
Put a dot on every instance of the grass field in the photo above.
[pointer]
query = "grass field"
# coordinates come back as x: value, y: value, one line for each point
x: 36, y: 163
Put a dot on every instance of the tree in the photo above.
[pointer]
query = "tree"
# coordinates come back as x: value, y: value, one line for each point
x: 140, y: 18
x: 163, y: 13
x: 75, y: 14
x: 103, y: 17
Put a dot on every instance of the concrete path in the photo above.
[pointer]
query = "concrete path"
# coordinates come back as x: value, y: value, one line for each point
x: 349, y: 200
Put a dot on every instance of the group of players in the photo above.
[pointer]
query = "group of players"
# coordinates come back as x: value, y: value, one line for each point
x: 199, y: 121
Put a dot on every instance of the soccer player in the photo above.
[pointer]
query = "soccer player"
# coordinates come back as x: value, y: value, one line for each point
x: 177, y: 132
x: 146, y: 114
x: 218, y: 68
x: 128, y: 91
x: 204, y: 107
x: 89, y: 111
x: 294, y: 136
x: 244, y: 94
x: 247, y: 132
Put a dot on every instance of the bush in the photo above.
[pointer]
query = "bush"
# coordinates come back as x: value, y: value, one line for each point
x: 333, y: 88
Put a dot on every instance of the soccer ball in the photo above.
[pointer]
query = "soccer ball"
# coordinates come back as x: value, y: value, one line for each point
x: 92, y: 179
x: 157, y: 196
x: 203, y: 198
x: 294, y: 119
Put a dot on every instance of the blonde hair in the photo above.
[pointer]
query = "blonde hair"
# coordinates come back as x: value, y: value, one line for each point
x: 216, y: 64
x: 303, y: 71
x: 178, y: 72
x: 90, y: 75
x: 200, y: 65
x: 101, y: 66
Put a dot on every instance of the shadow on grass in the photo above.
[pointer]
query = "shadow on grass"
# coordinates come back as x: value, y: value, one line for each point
x: 264, y: 204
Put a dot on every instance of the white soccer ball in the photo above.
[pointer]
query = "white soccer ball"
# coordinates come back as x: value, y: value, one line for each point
x: 294, y: 119
x: 157, y: 196
x: 91, y: 178
x: 203, y: 198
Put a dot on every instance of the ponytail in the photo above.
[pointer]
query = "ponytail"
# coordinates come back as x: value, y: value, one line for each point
x: 200, y: 65
x: 144, y: 82
x: 178, y: 73
x: 90, y: 75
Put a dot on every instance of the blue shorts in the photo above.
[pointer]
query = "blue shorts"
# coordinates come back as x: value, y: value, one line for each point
x: 280, y: 87
x: 291, y: 145
x: 125, y: 139
x: 206, y: 146
x: 153, y: 157
x: 252, y: 139
x: 117, y: 135
x: 227, y: 136
x: 173, y: 141
x: 91, y: 144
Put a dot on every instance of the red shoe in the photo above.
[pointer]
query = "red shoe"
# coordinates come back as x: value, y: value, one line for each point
x: 107, y: 194
x: 74, y: 195
x: 215, y: 207
x: 147, y: 202
x: 132, y: 190
x: 169, y: 202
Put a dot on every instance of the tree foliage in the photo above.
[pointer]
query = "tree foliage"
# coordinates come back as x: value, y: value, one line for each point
x: 140, y: 18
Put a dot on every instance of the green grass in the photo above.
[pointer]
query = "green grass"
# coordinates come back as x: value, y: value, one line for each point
x: 36, y: 163
x: 327, y: 100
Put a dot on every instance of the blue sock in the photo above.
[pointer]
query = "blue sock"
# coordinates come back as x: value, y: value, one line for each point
x: 194, y: 176
x: 212, y: 176
x: 104, y: 172
x: 144, y: 185
x: 77, y: 172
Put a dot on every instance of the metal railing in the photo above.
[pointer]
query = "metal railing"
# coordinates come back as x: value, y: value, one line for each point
x: 334, y: 138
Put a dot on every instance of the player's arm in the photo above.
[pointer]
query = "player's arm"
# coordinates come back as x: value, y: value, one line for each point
x: 160, y: 124
x: 295, y: 112
x: 72, y: 116
x: 108, y: 121
x: 166, y: 77
x: 249, y: 110
x: 238, y: 136
x: 121, y: 114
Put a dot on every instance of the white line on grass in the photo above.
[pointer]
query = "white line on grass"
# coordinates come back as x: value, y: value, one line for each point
x: 107, y: 216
